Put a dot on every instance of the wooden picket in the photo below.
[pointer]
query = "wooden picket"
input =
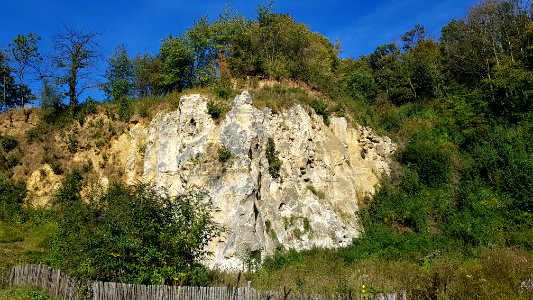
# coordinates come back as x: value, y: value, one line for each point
x: 65, y: 287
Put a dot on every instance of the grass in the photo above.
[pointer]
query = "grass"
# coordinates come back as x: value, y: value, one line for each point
x: 22, y: 243
x: 24, y: 293
x: 492, y: 274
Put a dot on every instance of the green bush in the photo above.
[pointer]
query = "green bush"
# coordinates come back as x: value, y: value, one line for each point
x: 37, y: 133
x: 12, y: 160
x: 321, y: 109
x: 12, y: 195
x: 214, y: 110
x: 8, y: 143
x: 274, y: 164
x: 223, y: 154
x: 133, y: 234
x: 125, y: 109
x: 432, y: 164
x: 224, y: 90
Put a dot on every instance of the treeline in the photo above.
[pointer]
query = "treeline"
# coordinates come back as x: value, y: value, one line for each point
x: 271, y: 46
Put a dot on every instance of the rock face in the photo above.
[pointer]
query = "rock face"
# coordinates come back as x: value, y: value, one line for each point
x: 324, y: 172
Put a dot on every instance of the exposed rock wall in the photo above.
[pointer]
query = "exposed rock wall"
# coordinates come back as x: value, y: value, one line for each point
x: 325, y: 171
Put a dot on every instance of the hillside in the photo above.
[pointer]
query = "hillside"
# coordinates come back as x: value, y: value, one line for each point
x: 435, y: 198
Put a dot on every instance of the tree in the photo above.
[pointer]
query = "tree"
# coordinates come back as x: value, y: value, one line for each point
x: 278, y: 47
x: 177, y: 56
x: 148, y: 75
x: 50, y: 96
x: 493, y: 32
x: 413, y: 37
x: 120, y: 75
x: 24, y: 51
x: 75, y: 54
x: 133, y: 234
x: 7, y: 83
x: 424, y: 66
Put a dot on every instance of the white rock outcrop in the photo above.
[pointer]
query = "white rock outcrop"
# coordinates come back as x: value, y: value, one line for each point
x: 325, y: 171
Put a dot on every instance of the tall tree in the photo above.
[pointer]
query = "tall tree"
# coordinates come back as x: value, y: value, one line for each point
x: 25, y: 53
x: 7, y: 83
x: 76, y: 52
x: 413, y: 37
x: 148, y: 75
x: 120, y: 74
x: 178, y: 61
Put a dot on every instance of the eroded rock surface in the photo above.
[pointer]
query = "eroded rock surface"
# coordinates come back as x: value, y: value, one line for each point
x: 325, y: 171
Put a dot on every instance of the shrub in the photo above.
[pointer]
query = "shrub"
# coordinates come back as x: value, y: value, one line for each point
x: 319, y: 194
x: 321, y: 109
x: 13, y: 160
x: 224, y: 90
x: 37, y: 133
x: 8, y: 143
x: 274, y: 164
x: 125, y: 109
x: 72, y: 143
x: 12, y: 196
x: 223, y: 154
x: 432, y: 163
x: 214, y: 110
x: 133, y: 234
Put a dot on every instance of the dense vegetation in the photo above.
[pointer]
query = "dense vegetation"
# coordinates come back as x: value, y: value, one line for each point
x: 132, y: 234
x: 461, y: 109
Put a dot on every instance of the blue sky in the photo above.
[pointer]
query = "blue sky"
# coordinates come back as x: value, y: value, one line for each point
x: 360, y: 26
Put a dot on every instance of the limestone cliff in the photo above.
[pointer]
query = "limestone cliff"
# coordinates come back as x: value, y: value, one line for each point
x: 325, y: 171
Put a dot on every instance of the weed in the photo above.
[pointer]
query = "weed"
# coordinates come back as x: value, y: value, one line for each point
x: 320, y: 194
x: 214, y: 110
x: 223, y: 154
x: 297, y: 233
x: 142, y: 148
x: 274, y: 163
x: 307, y: 226
x: 321, y: 109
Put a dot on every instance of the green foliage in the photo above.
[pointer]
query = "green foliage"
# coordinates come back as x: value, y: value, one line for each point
x: 50, y: 95
x: 177, y: 62
x: 277, y: 47
x: 24, y: 50
x: 149, y: 78
x: 509, y: 93
x: 8, y: 143
x: 125, y: 109
x: 321, y: 109
x: 24, y: 293
x: 361, y: 84
x: 223, y: 154
x: 7, y: 83
x: 72, y: 143
x: 320, y: 194
x: 133, y: 234
x: 274, y: 164
x: 214, y: 110
x: 12, y: 196
x: 119, y: 74
x: 224, y: 90
x: 431, y: 162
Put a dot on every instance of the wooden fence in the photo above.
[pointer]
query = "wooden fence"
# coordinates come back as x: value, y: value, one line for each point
x: 67, y: 288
